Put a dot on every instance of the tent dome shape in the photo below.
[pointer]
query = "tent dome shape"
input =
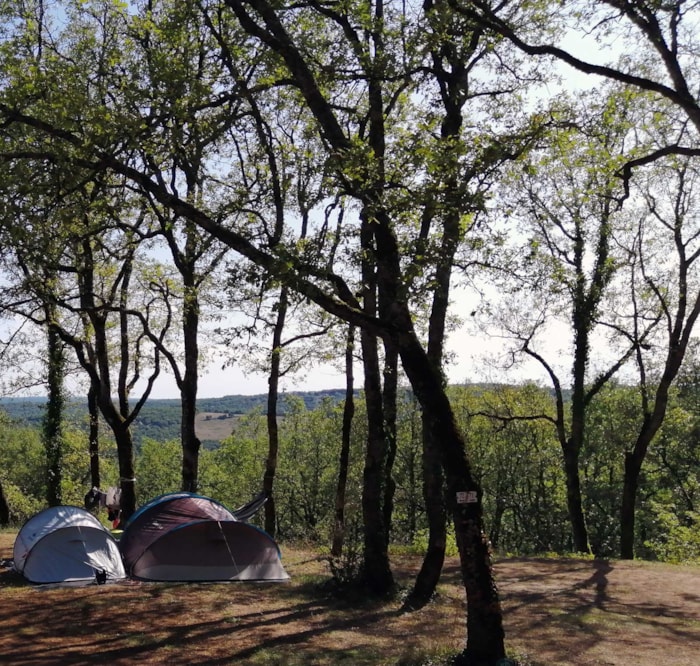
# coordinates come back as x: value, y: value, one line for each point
x: 189, y: 537
x: 66, y: 544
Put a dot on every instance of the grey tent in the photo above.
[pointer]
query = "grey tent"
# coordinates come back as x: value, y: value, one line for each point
x: 188, y: 537
x: 66, y: 544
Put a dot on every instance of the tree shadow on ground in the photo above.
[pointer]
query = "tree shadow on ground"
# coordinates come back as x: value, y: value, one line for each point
x: 591, y: 601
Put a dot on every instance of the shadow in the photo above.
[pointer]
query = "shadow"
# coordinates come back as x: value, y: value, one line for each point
x: 11, y: 578
x: 585, y: 600
x: 82, y: 631
x: 566, y: 607
x: 597, y: 581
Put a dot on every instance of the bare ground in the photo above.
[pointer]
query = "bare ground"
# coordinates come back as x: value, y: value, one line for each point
x: 557, y: 612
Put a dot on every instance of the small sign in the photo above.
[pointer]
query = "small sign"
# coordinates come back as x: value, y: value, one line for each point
x: 467, y: 497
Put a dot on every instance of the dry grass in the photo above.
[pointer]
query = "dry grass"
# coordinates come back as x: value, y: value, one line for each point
x: 557, y: 612
x: 214, y: 425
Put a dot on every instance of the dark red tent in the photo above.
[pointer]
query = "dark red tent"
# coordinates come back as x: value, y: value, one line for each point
x: 188, y: 537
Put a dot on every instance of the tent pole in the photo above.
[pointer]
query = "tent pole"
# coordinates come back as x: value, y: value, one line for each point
x: 230, y: 554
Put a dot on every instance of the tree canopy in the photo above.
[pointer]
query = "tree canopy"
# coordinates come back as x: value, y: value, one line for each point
x: 356, y: 157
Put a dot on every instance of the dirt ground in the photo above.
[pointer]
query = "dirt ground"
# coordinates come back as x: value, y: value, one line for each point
x: 557, y: 612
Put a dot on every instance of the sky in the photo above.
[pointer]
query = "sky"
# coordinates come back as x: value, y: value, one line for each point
x: 216, y: 382
x: 465, y: 345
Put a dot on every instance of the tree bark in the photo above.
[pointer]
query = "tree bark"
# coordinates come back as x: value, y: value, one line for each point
x: 634, y: 459
x: 125, y: 454
x: 630, y: 485
x: 189, y: 386
x: 272, y: 399
x: 573, y: 500
x: 376, y: 571
x: 344, y: 461
x: 94, y: 437
x: 583, y: 313
x: 485, y: 634
x: 53, y: 418
x: 389, y: 399
x: 436, y: 515
x: 4, y: 508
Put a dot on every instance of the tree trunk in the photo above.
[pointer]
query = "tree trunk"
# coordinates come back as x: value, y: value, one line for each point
x: 127, y: 480
x: 653, y: 421
x: 272, y: 427
x: 376, y: 573
x: 4, y: 508
x: 485, y: 634
x: 571, y: 446
x: 414, y: 472
x: 436, y: 515
x: 573, y: 501
x: 343, y: 463
x: 188, y: 390
x: 389, y: 398
x: 633, y: 467
x: 376, y: 569
x: 52, y: 422
x: 635, y: 459
x: 191, y: 444
x: 125, y: 455
x: 94, y: 437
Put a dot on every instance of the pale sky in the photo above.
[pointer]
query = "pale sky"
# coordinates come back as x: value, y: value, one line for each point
x: 467, y: 345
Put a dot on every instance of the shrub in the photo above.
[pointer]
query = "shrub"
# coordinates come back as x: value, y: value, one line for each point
x: 680, y: 543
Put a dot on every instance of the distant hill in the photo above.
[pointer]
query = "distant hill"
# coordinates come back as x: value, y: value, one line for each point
x: 160, y: 418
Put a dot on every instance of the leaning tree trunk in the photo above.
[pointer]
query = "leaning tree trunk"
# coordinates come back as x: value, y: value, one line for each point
x: 485, y: 634
x: 436, y: 515
x: 635, y: 459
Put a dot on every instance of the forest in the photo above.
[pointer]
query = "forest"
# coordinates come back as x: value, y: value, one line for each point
x: 518, y: 468
x: 160, y: 417
x: 277, y: 185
